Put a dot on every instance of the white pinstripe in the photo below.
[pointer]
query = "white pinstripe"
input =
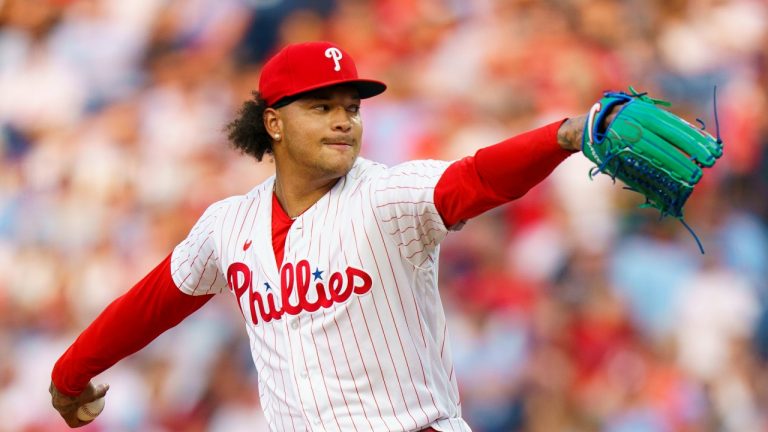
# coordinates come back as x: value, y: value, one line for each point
x: 373, y: 356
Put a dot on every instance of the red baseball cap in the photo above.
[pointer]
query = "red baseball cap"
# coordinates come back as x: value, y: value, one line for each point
x: 302, y: 67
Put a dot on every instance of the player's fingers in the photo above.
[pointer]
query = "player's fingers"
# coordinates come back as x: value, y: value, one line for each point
x: 70, y: 416
x: 611, y: 115
x: 61, y: 402
x: 100, y: 391
x: 71, y: 419
x: 91, y: 393
x: 74, y: 422
x: 67, y: 406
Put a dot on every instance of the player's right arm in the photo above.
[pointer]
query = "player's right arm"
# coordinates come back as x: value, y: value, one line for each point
x: 181, y: 284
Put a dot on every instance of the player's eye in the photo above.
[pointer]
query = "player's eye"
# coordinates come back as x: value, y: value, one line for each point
x: 321, y: 107
x: 354, y: 108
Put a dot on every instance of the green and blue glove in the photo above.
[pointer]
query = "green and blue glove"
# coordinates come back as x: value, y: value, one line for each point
x: 651, y: 150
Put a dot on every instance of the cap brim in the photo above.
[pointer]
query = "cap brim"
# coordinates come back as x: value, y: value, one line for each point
x: 369, y: 88
x: 366, y: 88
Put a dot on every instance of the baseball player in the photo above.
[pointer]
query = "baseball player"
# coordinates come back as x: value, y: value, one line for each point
x: 332, y: 261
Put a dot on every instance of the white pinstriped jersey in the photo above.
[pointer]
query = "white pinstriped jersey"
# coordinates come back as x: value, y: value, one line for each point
x: 350, y: 333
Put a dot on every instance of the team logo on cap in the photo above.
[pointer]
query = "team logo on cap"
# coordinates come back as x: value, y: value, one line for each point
x: 335, y: 54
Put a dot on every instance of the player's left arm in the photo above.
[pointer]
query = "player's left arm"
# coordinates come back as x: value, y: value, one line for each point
x: 505, y: 171
x: 417, y: 202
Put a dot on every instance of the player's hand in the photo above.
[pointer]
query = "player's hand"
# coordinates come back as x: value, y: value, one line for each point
x: 67, y: 406
x: 570, y: 134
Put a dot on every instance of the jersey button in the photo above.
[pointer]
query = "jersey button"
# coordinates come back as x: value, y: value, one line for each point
x: 303, y: 375
x: 295, y: 325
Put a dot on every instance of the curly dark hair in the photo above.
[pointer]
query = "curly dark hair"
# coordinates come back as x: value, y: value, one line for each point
x: 247, y: 131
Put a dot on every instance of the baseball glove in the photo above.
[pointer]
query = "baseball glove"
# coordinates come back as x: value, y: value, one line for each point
x: 651, y: 150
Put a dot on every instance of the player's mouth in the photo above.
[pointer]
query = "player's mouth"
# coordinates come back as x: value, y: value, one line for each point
x: 340, y: 144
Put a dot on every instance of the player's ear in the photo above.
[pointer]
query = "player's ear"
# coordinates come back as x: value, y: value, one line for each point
x: 273, y: 124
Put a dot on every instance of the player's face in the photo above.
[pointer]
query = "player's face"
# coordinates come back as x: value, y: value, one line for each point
x: 321, y: 133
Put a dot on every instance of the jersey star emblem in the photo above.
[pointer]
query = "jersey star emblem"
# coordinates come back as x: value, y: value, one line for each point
x: 266, y: 286
x: 318, y: 274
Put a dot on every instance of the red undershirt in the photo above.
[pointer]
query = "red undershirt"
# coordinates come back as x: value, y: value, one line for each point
x: 281, y: 223
x: 493, y: 176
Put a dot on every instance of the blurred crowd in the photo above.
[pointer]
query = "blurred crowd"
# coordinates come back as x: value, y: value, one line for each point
x: 569, y: 310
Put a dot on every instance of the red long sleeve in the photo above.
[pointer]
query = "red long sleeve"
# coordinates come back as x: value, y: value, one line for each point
x: 128, y: 324
x: 498, y: 174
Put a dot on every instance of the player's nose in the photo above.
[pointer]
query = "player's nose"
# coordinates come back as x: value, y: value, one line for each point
x: 340, y: 120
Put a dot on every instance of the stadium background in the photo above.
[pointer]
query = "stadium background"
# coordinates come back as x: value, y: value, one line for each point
x: 570, y: 310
